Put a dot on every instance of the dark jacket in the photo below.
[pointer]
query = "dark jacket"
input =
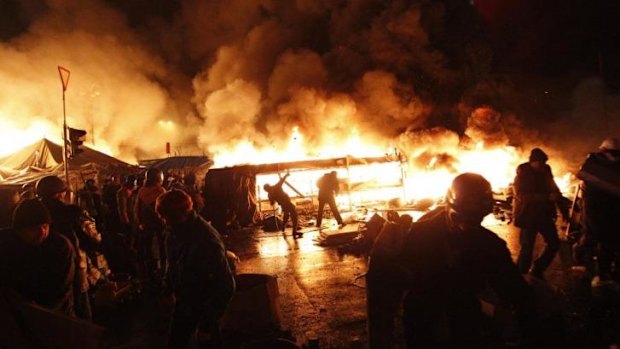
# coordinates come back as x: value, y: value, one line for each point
x: 328, y: 186
x: 43, y: 273
x: 197, y: 271
x: 601, y: 201
x: 436, y: 268
x: 465, y: 262
x: 66, y: 222
x: 532, y: 206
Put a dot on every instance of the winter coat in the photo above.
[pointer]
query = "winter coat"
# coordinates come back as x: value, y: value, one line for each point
x: 533, y: 190
x: 197, y: 270
x: 328, y: 186
x: 43, y: 273
x: 434, y: 268
x: 601, y: 202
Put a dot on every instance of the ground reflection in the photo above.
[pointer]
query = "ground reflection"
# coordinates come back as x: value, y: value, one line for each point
x: 285, y: 244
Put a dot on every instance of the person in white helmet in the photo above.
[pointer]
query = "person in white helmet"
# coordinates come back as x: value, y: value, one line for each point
x: 601, y: 198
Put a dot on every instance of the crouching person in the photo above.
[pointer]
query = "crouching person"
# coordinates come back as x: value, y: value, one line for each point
x: 197, y: 278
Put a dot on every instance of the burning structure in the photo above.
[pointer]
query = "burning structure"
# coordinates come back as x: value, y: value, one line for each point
x: 364, y: 180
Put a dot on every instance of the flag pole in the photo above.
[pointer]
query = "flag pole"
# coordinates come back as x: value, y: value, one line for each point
x: 65, y: 158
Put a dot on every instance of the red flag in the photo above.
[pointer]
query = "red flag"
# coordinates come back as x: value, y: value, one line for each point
x: 64, y: 76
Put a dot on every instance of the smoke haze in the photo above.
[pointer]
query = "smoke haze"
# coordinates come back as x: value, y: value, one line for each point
x: 210, y: 75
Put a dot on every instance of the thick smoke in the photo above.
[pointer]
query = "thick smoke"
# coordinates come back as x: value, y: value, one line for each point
x: 210, y: 75
x: 115, y: 90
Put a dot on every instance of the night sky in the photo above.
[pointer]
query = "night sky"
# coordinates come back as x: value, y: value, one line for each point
x: 541, y: 37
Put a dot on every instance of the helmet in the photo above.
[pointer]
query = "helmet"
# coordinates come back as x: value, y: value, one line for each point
x: 470, y: 198
x: 50, y: 185
x: 154, y: 175
x: 174, y: 205
x: 610, y: 143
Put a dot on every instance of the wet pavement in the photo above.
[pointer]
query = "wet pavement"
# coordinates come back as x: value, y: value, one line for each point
x: 322, y: 300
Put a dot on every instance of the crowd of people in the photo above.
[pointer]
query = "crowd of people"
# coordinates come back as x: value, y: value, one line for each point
x: 57, y: 254
x: 431, y: 272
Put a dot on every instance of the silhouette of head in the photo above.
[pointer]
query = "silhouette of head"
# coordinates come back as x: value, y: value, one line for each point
x: 32, y: 220
x: 469, y: 200
x: 538, y: 154
x: 174, y: 206
x: 49, y: 186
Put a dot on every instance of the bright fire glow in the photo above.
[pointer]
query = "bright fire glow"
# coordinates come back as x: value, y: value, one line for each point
x: 384, y: 181
x: 13, y: 138
x: 246, y: 153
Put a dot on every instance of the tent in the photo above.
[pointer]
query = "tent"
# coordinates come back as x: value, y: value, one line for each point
x: 45, y: 158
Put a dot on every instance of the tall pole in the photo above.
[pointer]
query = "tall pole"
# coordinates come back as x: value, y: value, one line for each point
x: 65, y: 158
x: 64, y: 74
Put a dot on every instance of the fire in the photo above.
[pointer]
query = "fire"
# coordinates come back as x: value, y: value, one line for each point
x: 13, y: 137
x: 405, y: 180
x: 245, y: 152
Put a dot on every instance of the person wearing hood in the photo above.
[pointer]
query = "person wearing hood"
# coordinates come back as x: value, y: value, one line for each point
x: 537, y: 199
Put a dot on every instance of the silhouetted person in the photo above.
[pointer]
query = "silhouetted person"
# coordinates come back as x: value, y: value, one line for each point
x: 89, y: 199
x: 328, y: 189
x: 108, y: 198
x: 535, y: 198
x: 149, y: 224
x: 277, y: 194
x: 197, y: 276
x: 123, y: 204
x: 66, y: 221
x: 188, y: 185
x: 601, y: 198
x: 37, y: 264
x: 440, y: 265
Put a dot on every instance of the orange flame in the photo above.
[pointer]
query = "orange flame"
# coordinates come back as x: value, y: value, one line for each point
x: 385, y: 181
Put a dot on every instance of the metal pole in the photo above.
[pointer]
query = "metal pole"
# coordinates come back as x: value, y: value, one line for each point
x: 65, y: 158
x: 403, y: 180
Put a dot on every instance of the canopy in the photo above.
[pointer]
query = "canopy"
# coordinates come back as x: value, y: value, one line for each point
x: 45, y: 158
